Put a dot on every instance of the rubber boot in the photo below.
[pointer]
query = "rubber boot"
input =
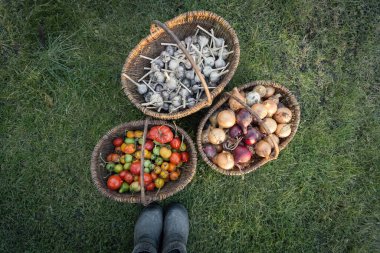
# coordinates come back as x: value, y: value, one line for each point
x: 176, y: 229
x: 148, y: 229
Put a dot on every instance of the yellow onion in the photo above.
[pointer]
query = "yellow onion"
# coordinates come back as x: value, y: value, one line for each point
x: 271, y: 125
x: 226, y: 119
x: 283, y: 115
x: 269, y: 92
x: 269, y: 140
x: 216, y: 136
x: 271, y: 107
x: 235, y: 105
x: 261, y: 90
x: 263, y: 149
x: 260, y: 110
x: 224, y: 160
x: 283, y: 130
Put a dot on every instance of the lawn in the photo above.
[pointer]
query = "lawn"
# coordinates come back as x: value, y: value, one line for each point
x: 60, y: 92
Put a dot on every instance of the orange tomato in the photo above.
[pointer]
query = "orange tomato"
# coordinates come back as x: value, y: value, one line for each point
x: 172, y: 167
x: 130, y: 149
x: 130, y: 134
x: 123, y: 146
x: 174, y: 176
x: 165, y: 166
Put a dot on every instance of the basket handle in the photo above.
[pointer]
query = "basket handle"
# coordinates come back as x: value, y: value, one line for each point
x: 188, y: 56
x: 259, y: 120
x: 143, y: 197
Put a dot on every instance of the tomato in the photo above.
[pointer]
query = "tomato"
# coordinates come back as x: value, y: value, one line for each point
x: 159, y: 161
x: 122, y: 159
x: 165, y: 152
x: 109, y: 158
x: 135, y: 187
x: 110, y: 166
x: 118, y: 168
x: 156, y: 150
x: 129, y: 140
x: 172, y: 167
x: 164, y: 174
x: 185, y: 157
x: 129, y: 148
x: 127, y: 166
x: 138, y: 134
x: 154, y: 175
x: 165, y: 166
x: 128, y: 158
x: 161, y: 134
x: 135, y: 167
x: 183, y: 147
x: 159, y: 183
x: 175, y: 158
x: 117, y: 142
x: 124, y: 188
x: 147, y: 179
x: 157, y: 170
x: 150, y: 186
x: 122, y: 174
x: 149, y: 145
x: 115, y: 158
x: 174, y: 176
x: 118, y: 150
x: 130, y: 134
x: 114, y: 182
x: 123, y: 146
x: 176, y: 143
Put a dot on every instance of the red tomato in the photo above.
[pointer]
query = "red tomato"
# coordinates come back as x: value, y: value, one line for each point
x: 147, y: 179
x: 150, y: 187
x: 115, y: 158
x: 117, y: 142
x: 185, y: 157
x: 176, y: 143
x: 122, y: 174
x: 149, y: 145
x: 109, y: 158
x: 114, y: 182
x: 175, y: 158
x: 128, y: 177
x: 135, y: 168
x: 154, y: 175
x: 161, y: 134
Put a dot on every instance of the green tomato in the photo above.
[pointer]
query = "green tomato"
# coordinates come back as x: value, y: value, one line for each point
x: 135, y: 187
x: 146, y: 170
x: 124, y: 188
x: 118, y: 168
x: 129, y: 140
x: 152, y: 166
x: 110, y: 166
x: 153, y: 157
x: 141, y: 141
x: 183, y: 147
x: 147, y: 163
x: 156, y: 150
x: 127, y: 166
x: 128, y: 158
x: 159, y: 160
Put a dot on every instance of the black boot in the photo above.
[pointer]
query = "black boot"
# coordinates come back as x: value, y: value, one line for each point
x: 148, y: 229
x: 176, y: 229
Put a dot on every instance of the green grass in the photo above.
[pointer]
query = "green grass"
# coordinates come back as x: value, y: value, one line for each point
x: 60, y: 92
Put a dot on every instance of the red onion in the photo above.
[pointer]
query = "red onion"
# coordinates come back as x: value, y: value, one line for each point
x: 243, y: 119
x: 253, y: 135
x: 210, y: 150
x: 235, y: 131
x: 242, y: 154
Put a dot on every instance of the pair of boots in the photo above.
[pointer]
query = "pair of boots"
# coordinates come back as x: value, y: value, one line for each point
x: 151, y: 224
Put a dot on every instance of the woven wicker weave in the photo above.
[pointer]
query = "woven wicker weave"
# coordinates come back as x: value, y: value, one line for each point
x: 104, y: 147
x: 183, y: 26
x: 288, y: 99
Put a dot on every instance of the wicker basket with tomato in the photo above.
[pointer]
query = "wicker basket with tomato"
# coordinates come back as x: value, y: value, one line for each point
x: 122, y: 170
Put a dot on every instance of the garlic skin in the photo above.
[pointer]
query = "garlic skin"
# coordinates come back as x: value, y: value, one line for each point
x: 252, y: 98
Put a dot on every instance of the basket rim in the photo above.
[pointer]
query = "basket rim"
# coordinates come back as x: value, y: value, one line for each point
x: 136, y: 198
x: 223, y: 100
x: 176, y: 21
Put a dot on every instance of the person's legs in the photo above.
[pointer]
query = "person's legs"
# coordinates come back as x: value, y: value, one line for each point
x: 148, y: 229
x: 176, y: 229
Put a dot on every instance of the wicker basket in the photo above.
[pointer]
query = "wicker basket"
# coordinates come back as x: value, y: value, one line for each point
x: 99, y: 173
x: 288, y: 99
x: 182, y: 26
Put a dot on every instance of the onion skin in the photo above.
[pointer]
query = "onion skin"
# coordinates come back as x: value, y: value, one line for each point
x: 209, y: 150
x: 216, y: 136
x: 271, y: 107
x: 226, y: 119
x: 235, y: 105
x: 283, y: 130
x: 260, y: 110
x: 283, y: 115
x: 244, y: 119
x: 225, y: 160
x: 269, y: 92
x: 269, y: 140
x: 263, y: 149
x: 261, y: 90
x: 235, y: 131
x: 242, y: 154
x: 253, y: 135
x: 271, y: 125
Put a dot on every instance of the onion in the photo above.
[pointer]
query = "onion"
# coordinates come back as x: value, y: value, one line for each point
x: 261, y: 90
x: 219, y: 148
x: 216, y: 136
x: 204, y: 136
x: 269, y: 140
x: 269, y: 92
x: 271, y: 125
x: 253, y: 135
x: 283, y: 130
x: 275, y: 98
x: 263, y: 149
x: 243, y: 119
x: 213, y: 119
x: 235, y: 105
x: 235, y: 131
x: 226, y: 119
x: 283, y: 115
x: 260, y: 110
x: 242, y: 154
x: 209, y: 150
x: 271, y: 107
x: 225, y: 160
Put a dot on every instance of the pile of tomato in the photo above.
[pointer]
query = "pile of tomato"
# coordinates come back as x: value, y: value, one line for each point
x: 164, y: 154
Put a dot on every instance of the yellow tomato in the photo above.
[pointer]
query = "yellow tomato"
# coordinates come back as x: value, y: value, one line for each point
x: 164, y: 174
x: 130, y: 134
x: 122, y: 159
x: 165, y: 153
x: 159, y: 183
x: 165, y: 166
x: 138, y: 134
